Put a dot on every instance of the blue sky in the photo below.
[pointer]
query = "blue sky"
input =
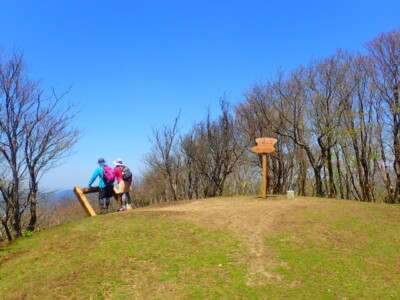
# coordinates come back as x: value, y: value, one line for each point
x: 138, y: 64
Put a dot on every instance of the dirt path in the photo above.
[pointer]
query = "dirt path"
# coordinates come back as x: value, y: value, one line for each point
x: 251, y: 219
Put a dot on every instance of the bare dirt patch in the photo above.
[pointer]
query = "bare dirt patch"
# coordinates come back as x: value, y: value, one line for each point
x: 251, y: 219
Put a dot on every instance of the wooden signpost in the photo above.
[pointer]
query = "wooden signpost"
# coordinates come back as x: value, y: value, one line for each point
x: 264, y: 146
x: 84, y: 201
x: 80, y: 194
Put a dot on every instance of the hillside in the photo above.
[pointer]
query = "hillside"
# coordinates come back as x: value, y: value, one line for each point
x: 228, y: 247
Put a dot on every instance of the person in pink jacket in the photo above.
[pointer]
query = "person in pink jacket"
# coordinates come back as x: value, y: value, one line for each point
x: 123, y: 176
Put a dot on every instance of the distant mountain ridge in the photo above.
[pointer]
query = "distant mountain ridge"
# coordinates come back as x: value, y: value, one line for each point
x: 63, y: 194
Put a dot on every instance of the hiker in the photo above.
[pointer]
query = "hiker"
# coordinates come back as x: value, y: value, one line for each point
x: 106, y: 184
x: 123, y: 177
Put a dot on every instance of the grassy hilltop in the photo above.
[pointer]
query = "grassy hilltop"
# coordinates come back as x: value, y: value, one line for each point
x: 220, y: 248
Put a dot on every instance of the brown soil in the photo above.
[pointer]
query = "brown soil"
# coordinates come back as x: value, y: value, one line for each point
x: 251, y: 219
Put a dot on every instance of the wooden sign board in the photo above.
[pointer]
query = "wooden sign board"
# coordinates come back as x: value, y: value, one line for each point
x: 264, y: 145
x: 266, y: 141
x: 263, y: 149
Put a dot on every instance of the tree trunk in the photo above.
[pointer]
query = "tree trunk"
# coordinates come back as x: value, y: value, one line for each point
x: 332, y: 188
x: 318, y: 181
x: 33, y: 217
x: 339, y: 172
x: 396, y: 141
x: 6, y: 229
x: 16, y: 213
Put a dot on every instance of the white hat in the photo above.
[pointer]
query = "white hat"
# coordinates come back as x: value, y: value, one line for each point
x: 118, y: 162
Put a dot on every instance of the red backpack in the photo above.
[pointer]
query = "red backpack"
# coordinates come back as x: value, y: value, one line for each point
x: 108, y: 175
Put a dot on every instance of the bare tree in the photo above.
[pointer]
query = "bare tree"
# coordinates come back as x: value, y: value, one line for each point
x: 385, y: 53
x: 189, y: 152
x: 258, y: 118
x: 35, y: 135
x: 296, y: 111
x: 358, y: 129
x: 164, y: 157
x: 213, y: 150
x: 48, y: 138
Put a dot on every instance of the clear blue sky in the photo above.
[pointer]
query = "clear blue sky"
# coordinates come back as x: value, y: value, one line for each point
x: 139, y: 63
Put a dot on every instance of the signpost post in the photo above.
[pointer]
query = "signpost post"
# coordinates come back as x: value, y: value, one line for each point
x: 264, y: 146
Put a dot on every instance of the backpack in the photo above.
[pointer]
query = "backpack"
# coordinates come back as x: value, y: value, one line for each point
x: 126, y: 174
x: 108, y: 175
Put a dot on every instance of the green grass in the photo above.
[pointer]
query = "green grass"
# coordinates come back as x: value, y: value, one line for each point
x: 342, y: 250
x: 119, y: 257
x: 340, y: 254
